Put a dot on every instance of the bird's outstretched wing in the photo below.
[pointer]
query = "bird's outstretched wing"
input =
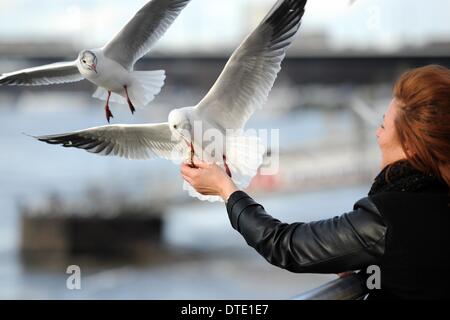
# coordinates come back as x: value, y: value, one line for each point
x: 126, y: 141
x: 249, y: 75
x: 146, y: 27
x: 56, y: 73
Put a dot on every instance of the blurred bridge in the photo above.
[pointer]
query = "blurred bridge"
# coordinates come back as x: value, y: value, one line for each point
x: 202, y: 71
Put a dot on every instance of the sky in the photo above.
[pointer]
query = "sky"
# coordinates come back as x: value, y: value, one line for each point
x: 213, y: 25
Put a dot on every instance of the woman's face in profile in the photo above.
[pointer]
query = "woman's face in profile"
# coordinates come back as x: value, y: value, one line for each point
x: 388, y: 141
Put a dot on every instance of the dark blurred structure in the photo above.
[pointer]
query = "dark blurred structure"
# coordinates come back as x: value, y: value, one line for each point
x: 321, y: 69
x: 57, y: 233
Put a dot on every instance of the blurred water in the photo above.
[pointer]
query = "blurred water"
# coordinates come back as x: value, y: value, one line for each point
x: 239, y: 273
x: 30, y: 170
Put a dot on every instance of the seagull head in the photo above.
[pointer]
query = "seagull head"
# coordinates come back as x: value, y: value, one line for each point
x: 180, y: 125
x: 88, y: 61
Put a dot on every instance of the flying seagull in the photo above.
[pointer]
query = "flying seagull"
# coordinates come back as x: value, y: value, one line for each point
x: 111, y: 67
x: 240, y: 90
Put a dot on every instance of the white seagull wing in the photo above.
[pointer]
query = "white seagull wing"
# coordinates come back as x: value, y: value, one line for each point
x: 144, y: 30
x: 250, y: 73
x: 56, y: 73
x: 126, y: 141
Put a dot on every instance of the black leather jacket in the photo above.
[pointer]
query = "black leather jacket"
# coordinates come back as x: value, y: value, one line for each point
x: 349, y: 242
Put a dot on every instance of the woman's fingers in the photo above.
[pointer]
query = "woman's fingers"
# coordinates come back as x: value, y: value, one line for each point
x: 188, y: 180
x: 200, y: 164
x: 206, y: 178
x: 187, y: 170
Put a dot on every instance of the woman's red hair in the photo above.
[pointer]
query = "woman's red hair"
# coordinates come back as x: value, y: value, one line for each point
x: 423, y: 121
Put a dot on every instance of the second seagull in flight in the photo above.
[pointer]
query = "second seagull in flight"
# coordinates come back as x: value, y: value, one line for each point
x: 111, y: 67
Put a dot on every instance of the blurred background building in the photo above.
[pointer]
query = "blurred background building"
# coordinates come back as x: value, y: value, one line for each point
x: 128, y: 224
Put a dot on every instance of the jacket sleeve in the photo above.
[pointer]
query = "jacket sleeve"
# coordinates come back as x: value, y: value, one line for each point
x: 349, y: 242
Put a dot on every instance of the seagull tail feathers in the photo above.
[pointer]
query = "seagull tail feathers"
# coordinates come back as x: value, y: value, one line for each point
x: 244, y: 156
x: 145, y: 86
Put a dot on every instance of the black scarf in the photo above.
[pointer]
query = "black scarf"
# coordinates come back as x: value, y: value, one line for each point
x: 402, y: 177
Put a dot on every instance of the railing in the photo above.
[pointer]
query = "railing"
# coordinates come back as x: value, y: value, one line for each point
x: 352, y: 287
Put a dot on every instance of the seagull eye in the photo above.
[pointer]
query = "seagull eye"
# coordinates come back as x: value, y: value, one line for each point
x: 84, y: 61
x: 175, y: 126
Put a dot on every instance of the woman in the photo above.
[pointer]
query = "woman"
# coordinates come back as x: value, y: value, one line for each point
x: 403, y: 226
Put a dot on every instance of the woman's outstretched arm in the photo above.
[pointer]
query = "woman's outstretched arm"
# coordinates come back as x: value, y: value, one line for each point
x: 351, y: 241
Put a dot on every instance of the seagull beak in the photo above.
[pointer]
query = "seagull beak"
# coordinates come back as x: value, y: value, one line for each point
x: 94, y: 67
x: 188, y: 142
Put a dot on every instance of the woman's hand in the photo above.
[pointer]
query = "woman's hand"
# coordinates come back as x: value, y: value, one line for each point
x: 209, y: 179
